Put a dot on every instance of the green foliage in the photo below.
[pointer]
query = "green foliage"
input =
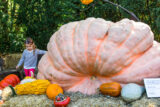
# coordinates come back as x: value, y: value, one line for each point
x: 11, y: 35
x: 39, y: 19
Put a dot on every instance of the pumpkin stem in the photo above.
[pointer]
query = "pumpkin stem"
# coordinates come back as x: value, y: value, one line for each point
x: 93, y: 77
x: 32, y: 74
x: 13, y: 90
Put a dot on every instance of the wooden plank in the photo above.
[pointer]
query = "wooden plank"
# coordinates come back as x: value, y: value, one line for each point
x: 4, y: 73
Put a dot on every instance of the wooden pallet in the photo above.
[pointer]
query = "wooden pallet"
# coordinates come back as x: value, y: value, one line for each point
x: 4, y: 73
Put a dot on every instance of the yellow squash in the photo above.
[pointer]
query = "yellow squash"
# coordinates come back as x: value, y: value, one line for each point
x: 35, y: 87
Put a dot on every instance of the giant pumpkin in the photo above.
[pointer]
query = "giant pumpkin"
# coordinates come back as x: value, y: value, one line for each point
x: 84, y: 54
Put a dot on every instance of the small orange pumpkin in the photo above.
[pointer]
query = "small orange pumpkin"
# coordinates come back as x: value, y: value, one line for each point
x: 53, y: 90
x: 111, y: 89
x: 86, y: 2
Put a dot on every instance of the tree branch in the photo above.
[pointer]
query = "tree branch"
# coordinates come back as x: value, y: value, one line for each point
x: 131, y: 13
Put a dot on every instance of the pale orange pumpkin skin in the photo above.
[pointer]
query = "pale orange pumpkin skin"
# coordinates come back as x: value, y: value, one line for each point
x: 84, y: 54
x: 111, y: 89
x: 53, y: 90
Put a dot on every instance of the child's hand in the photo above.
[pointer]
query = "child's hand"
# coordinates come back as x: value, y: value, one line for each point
x: 17, y: 67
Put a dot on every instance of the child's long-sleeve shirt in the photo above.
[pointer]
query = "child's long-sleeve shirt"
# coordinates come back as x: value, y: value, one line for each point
x: 29, y: 58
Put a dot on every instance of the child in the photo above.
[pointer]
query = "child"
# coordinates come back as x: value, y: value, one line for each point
x: 29, y: 57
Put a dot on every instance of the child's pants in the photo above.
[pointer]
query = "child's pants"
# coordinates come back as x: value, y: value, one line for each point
x: 29, y: 72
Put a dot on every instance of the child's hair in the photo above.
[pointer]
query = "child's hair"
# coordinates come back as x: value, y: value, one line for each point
x: 31, y: 42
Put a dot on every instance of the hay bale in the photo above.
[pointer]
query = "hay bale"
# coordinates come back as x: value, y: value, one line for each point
x: 11, y: 60
x: 29, y: 101
x: 146, y: 102
x: 80, y: 100
x: 98, y: 100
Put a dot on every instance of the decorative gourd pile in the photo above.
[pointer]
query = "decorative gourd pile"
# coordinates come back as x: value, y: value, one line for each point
x: 33, y: 87
x: 84, y: 54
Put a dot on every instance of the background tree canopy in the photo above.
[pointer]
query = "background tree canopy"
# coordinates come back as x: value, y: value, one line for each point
x: 39, y: 19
